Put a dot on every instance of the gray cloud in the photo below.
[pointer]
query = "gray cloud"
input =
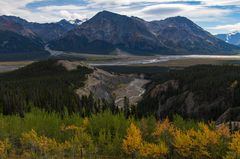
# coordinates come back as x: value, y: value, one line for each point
x: 146, y: 9
x: 162, y: 10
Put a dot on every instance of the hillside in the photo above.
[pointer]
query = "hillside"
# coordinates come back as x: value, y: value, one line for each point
x: 198, y: 92
x: 108, y: 31
x: 23, y: 40
x: 201, y: 92
x: 15, y: 24
x: 14, y: 46
x: 58, y: 85
x: 44, y: 84
x: 184, y: 36
x: 45, y: 31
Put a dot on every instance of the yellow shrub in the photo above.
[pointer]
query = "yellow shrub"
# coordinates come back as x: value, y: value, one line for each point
x: 224, y: 130
x: 234, y: 147
x: 183, y: 143
x: 201, y: 143
x: 162, y: 127
x: 150, y: 150
x: 208, y: 136
x: 133, y: 141
x: 39, y: 144
x: 80, y: 141
x: 5, y: 146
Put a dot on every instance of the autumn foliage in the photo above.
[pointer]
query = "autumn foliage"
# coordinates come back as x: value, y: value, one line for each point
x: 5, y: 147
x: 133, y: 141
x: 47, y: 135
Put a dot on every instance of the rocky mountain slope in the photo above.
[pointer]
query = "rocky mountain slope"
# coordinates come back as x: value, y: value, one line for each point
x: 14, y: 24
x: 198, y: 92
x: 232, y: 38
x: 11, y: 42
x: 22, y: 40
x: 45, y: 31
x: 108, y: 31
x: 14, y: 46
x: 182, y: 35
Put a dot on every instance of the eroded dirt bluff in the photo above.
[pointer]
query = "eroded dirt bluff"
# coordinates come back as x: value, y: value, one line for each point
x: 108, y: 86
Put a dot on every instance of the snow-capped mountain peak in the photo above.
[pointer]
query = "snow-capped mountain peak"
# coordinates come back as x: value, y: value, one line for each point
x: 77, y: 21
x: 232, y: 38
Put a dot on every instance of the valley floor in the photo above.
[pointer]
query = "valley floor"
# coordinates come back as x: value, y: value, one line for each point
x: 169, y: 61
x: 10, y: 65
x: 119, y: 60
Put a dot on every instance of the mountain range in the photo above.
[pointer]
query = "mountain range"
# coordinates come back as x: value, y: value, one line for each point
x: 45, y: 31
x: 106, y: 32
x: 19, y: 37
x: 232, y: 38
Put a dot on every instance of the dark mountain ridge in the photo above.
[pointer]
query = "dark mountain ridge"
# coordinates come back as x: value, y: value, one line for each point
x: 13, y: 42
x: 176, y: 35
x: 46, y: 31
x: 21, y: 39
x: 107, y: 31
x: 14, y: 46
x: 15, y: 24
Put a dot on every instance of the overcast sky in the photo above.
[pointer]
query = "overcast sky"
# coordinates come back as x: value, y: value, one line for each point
x: 216, y: 16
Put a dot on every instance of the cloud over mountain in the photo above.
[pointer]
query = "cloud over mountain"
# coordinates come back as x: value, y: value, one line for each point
x: 207, y: 13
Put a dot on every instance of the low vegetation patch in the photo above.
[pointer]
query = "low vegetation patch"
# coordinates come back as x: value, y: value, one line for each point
x: 52, y: 135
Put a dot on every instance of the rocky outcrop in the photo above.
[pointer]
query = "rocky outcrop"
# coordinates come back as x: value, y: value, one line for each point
x: 160, y: 89
x: 107, y: 86
x: 173, y: 99
x: 231, y: 114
